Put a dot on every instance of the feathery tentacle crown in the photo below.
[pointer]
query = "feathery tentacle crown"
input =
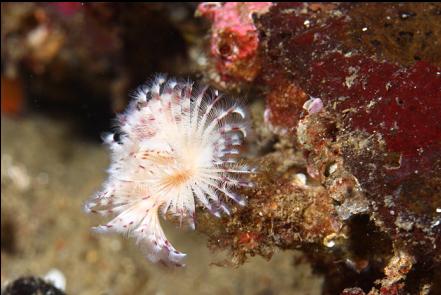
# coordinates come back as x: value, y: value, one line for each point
x: 175, y: 145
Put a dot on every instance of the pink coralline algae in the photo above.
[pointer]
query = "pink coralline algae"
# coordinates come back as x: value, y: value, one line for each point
x: 234, y: 39
x: 174, y: 146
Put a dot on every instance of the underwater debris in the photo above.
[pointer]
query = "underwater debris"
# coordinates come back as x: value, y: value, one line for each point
x: 175, y: 145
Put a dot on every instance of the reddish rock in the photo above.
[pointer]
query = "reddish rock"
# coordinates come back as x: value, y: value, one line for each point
x: 284, y: 104
x: 368, y: 97
x: 358, y: 88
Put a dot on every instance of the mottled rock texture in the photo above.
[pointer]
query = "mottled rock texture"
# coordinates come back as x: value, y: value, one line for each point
x: 363, y: 165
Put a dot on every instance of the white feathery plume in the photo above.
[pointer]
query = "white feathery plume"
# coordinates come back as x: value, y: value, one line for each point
x: 176, y: 146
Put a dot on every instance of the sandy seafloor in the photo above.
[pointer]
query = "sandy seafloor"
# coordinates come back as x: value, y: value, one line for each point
x: 48, y: 171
